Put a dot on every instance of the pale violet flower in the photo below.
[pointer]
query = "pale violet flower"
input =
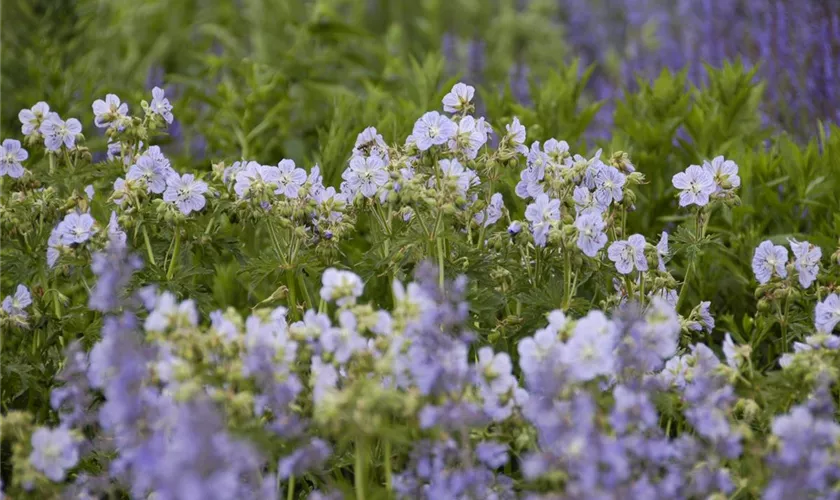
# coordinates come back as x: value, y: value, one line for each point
x: 696, y: 186
x: 591, y: 236
x: 541, y: 214
x: 15, y: 305
x: 464, y: 177
x: 185, y: 192
x: 344, y: 287
x: 724, y: 174
x: 667, y: 295
x: 115, y: 232
x: 169, y: 312
x: 807, y: 261
x: 730, y: 351
x: 370, y: 143
x: 109, y: 112
x: 160, y: 105
x: 76, y: 228
x: 768, y: 260
x: 514, y: 228
x: 89, y: 191
x: 158, y: 157
x: 255, y: 177
x: 291, y: 179
x: 556, y: 151
x: 10, y: 157
x: 458, y: 98
x: 516, y: 134
x: 629, y: 254
x: 827, y: 314
x: 433, y: 129
x: 585, y: 201
x: 492, y: 213
x: 57, y: 132
x: 704, y: 319
x: 530, y: 183
x: 365, y: 175
x: 147, y: 170
x: 468, y: 138
x: 662, y: 250
x: 54, y: 451
x: 54, y: 246
x: 609, y: 182
x: 31, y: 119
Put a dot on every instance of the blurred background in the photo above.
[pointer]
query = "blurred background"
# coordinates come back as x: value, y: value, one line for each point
x: 267, y: 79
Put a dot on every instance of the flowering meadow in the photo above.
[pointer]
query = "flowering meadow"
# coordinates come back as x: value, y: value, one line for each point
x: 315, y: 275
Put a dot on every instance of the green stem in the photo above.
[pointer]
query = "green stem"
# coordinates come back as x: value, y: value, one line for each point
x: 440, y: 251
x: 52, y: 162
x: 359, y: 471
x: 148, y: 246
x: 684, y: 286
x: 567, y: 272
x: 387, y: 453
x: 290, y: 283
x: 290, y: 493
x: 171, y: 271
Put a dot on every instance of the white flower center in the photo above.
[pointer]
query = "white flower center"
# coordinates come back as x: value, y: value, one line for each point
x: 434, y: 131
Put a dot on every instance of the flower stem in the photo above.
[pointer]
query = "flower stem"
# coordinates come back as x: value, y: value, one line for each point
x: 440, y: 250
x: 359, y: 471
x: 290, y: 490
x: 567, y: 279
x: 684, y: 286
x: 387, y: 456
x: 171, y: 271
x: 148, y: 247
x: 290, y: 283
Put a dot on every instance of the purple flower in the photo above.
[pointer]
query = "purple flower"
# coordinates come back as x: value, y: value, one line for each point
x: 724, y: 174
x: 344, y: 287
x: 115, y: 233
x: 31, y: 119
x: 730, y: 351
x: 464, y: 177
x: 304, y: 459
x: 609, y: 181
x: 591, y: 236
x: 89, y: 192
x: 827, y: 314
x: 53, y: 452
x: 150, y: 172
x: 530, y: 184
x: 15, y: 305
x: 433, y: 129
x: 541, y: 214
x: 459, y: 98
x: 662, y: 250
x: 255, y: 177
x: 113, y: 268
x: 344, y: 340
x: 365, y: 175
x: 324, y: 379
x: 585, y: 201
x: 516, y: 134
x: 705, y: 320
x: 768, y: 260
x: 370, y: 143
x: 109, y: 112
x: 807, y: 261
x: 57, y: 132
x: 76, y: 228
x: 492, y: 453
x: 468, y: 138
x: 291, y: 179
x: 492, y: 213
x: 185, y: 192
x: 696, y: 186
x: 160, y: 105
x: 514, y: 228
x: 10, y: 157
x: 629, y: 254
x: 632, y: 409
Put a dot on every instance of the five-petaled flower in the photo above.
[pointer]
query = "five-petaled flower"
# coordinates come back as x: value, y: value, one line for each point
x: 110, y: 112
x: 459, y: 98
x: 160, y: 105
x: 185, y: 192
x: 11, y: 155
x: 57, y: 132
x: 433, y: 129
x: 768, y: 260
x: 629, y: 254
x: 696, y: 186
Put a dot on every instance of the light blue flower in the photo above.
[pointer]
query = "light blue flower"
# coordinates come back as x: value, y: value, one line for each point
x: 160, y: 105
x: 433, y: 129
x: 591, y: 236
x: 291, y: 179
x: 696, y: 186
x: 57, y: 132
x: 185, y: 192
x: 807, y: 261
x: 54, y: 451
x: 343, y: 287
x: 768, y: 260
x: 629, y: 254
x: 10, y: 157
x: 458, y: 98
x: 109, y: 112
x: 541, y: 214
